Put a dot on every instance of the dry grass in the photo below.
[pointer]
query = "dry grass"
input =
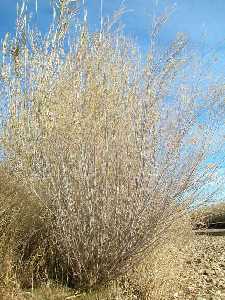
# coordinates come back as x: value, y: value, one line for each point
x: 51, y: 292
x: 159, y: 276
x: 102, y: 153
x: 208, y: 215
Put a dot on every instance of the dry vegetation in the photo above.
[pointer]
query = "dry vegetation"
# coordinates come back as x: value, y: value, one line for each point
x: 208, y: 215
x: 102, y: 156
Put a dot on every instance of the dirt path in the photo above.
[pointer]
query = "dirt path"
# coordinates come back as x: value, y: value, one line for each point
x: 204, y: 276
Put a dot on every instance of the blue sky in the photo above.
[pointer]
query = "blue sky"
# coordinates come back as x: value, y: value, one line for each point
x: 202, y: 20
x: 195, y: 17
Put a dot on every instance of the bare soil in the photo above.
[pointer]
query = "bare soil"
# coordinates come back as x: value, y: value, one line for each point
x: 204, y: 272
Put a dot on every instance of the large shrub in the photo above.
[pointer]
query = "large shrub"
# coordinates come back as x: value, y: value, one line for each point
x: 108, y: 146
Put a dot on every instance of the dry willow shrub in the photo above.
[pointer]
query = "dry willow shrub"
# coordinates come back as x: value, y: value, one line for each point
x: 108, y: 146
x: 160, y: 275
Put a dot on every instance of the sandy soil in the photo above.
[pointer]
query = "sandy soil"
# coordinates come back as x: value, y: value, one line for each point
x: 204, y: 275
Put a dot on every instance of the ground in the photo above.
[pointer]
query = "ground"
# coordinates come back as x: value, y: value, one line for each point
x: 202, y: 277
x: 204, y: 274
